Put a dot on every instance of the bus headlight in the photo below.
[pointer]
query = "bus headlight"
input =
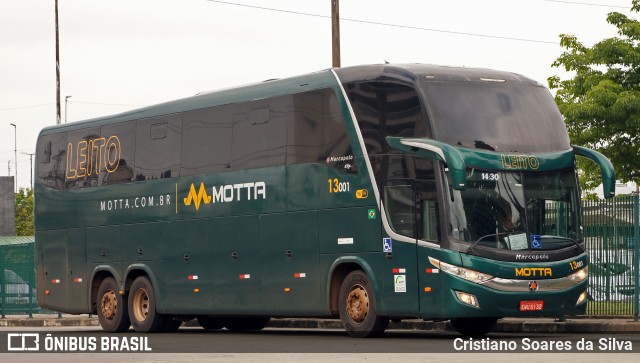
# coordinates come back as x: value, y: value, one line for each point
x: 465, y: 273
x: 579, y: 275
x: 582, y: 298
x: 467, y: 298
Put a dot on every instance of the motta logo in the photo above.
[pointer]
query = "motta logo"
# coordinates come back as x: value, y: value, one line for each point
x: 225, y: 193
x: 196, y: 198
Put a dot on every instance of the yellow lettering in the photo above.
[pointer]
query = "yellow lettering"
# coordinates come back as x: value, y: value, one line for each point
x: 112, y: 157
x: 91, y: 155
x: 534, y: 272
x: 82, y: 159
x: 71, y: 168
x: 520, y: 162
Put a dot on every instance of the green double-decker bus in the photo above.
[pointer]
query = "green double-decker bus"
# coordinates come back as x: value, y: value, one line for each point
x: 369, y: 193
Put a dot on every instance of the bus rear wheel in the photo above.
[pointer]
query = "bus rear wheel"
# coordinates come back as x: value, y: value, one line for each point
x: 357, y: 307
x: 474, y: 326
x: 142, y: 307
x: 112, y: 307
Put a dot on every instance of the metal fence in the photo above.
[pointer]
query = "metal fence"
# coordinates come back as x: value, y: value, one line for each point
x: 17, y: 280
x: 611, y: 235
x: 610, y: 232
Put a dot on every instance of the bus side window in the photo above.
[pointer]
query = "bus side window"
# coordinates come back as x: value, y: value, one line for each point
x: 158, y: 147
x: 317, y: 131
x: 51, y: 156
x: 125, y: 132
x: 206, y: 140
x: 83, y: 147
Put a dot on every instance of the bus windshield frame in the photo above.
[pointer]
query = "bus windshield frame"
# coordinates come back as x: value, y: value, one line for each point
x: 516, y: 211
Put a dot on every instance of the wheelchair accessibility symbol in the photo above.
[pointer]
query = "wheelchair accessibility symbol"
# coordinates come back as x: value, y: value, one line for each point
x: 536, y: 241
x: 386, y: 245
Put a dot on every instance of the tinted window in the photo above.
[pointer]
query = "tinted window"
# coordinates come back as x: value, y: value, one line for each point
x: 158, y: 147
x: 317, y: 131
x: 386, y: 109
x: 51, y: 159
x: 410, y: 197
x: 259, y: 134
x: 86, y: 153
x: 301, y: 128
x: 120, y: 139
x: 496, y: 116
x: 206, y: 145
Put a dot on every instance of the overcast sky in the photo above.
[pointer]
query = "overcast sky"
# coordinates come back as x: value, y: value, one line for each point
x: 118, y: 55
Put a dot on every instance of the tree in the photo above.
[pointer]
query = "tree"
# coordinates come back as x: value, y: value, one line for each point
x: 601, y: 103
x: 24, y: 212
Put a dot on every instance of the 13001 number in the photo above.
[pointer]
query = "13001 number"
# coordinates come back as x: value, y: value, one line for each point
x: 336, y: 186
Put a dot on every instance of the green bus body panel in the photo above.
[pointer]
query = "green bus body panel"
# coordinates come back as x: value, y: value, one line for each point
x: 266, y: 241
x: 458, y: 159
x: 606, y: 168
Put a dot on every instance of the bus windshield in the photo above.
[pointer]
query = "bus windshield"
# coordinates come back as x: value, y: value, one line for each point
x: 517, y: 210
x: 495, y: 116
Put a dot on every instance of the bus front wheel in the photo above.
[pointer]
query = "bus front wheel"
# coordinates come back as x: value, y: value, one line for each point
x: 357, y: 307
x: 112, y: 307
x: 473, y: 326
x: 142, y: 307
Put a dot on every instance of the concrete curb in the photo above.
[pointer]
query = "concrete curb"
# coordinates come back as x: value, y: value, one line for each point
x: 507, y: 325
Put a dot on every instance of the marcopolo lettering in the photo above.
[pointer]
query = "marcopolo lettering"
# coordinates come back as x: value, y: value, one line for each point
x: 534, y: 272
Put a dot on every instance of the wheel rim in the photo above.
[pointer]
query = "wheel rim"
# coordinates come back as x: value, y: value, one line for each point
x: 141, y: 305
x: 109, y: 304
x: 358, y: 303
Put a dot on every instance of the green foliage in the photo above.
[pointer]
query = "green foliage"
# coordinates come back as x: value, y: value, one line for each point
x: 24, y: 212
x: 601, y: 103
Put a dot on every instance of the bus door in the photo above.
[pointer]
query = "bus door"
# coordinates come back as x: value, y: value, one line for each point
x: 412, y: 206
x: 398, y: 198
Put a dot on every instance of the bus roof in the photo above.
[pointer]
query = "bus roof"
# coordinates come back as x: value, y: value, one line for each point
x: 324, y: 78
x: 411, y: 72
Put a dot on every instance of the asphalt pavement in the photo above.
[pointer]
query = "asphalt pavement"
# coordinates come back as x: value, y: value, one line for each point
x: 506, y: 325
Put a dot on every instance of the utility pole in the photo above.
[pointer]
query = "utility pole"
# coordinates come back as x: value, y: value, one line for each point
x: 58, y: 118
x: 31, y: 162
x: 15, y: 151
x: 335, y: 32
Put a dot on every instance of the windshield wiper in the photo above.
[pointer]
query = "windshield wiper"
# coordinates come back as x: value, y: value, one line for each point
x: 564, y: 238
x: 492, y: 235
x: 520, y: 232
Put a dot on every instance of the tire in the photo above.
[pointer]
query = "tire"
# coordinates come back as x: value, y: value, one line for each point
x: 112, y: 307
x: 474, y: 326
x: 210, y: 323
x: 142, y: 307
x: 357, y: 307
x: 246, y: 323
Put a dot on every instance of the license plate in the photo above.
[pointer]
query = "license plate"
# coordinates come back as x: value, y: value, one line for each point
x: 531, y: 305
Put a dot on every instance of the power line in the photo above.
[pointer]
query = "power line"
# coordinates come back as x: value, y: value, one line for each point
x: 588, y: 4
x: 388, y: 24
x: 21, y: 107
x: 106, y: 104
